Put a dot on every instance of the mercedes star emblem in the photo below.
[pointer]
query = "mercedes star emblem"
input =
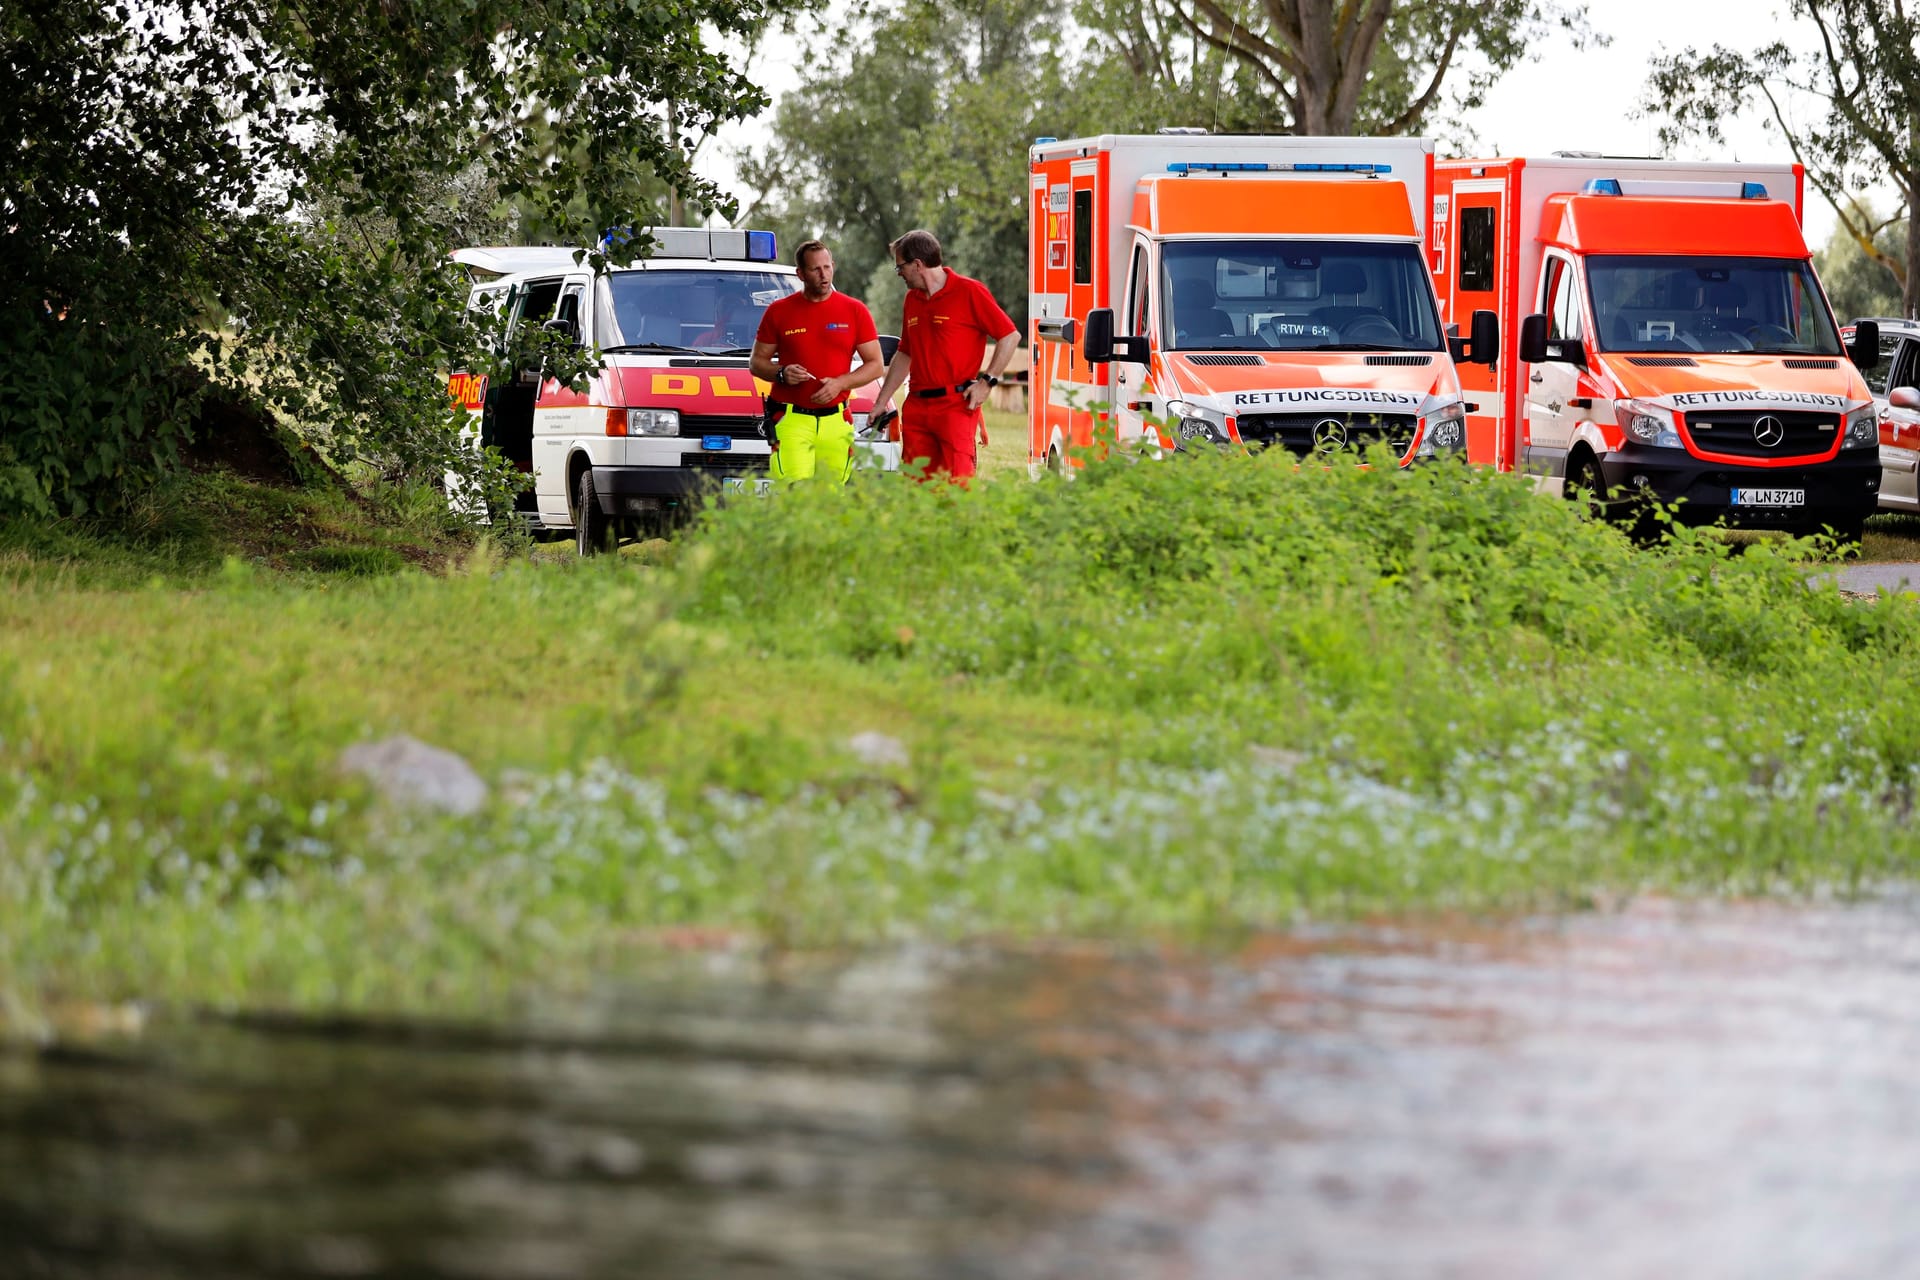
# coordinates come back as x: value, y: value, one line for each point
x: 1768, y: 431
x: 1329, y: 435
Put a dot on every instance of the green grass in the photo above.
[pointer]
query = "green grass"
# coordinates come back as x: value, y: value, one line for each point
x: 1197, y: 698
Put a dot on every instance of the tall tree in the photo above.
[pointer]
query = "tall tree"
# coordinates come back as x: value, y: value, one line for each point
x: 926, y: 117
x: 1864, y: 69
x: 1378, y: 67
x: 1856, y: 284
x: 168, y: 164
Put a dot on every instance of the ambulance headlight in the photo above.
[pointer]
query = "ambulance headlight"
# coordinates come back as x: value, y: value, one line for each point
x: 1443, y: 423
x: 653, y: 422
x: 1862, y: 429
x: 1648, y: 423
x: 1196, y: 422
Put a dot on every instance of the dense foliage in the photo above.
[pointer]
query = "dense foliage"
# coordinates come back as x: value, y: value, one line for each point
x: 1864, y: 70
x: 261, y: 193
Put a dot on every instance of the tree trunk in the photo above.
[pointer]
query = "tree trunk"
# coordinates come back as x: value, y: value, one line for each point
x: 1910, y: 294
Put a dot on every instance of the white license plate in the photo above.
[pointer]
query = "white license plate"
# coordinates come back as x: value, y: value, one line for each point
x: 1769, y: 497
x: 740, y: 484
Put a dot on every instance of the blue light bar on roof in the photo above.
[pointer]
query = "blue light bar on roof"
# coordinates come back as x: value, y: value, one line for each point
x: 760, y: 247
x: 1225, y: 166
x: 1753, y: 191
x: 1601, y: 187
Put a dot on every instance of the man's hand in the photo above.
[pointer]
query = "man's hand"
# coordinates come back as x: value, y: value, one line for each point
x: 830, y: 390
x: 977, y: 393
x: 800, y: 370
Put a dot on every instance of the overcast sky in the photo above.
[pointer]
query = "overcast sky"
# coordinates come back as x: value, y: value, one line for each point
x: 1566, y: 99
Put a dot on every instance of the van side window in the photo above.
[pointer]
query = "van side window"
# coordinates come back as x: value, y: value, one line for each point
x: 570, y: 309
x: 1137, y: 290
x: 1083, y: 236
x: 538, y: 304
x: 1476, y: 250
x: 1903, y: 367
x: 1563, y: 306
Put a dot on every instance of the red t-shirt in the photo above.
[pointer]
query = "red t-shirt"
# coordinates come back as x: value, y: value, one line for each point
x: 946, y: 334
x: 820, y: 335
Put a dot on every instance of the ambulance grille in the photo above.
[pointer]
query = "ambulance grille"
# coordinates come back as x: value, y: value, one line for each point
x: 1663, y: 362
x: 1811, y: 364
x: 1731, y: 431
x: 1399, y: 359
x: 724, y: 462
x: 1297, y: 431
x: 1225, y: 359
x: 695, y: 425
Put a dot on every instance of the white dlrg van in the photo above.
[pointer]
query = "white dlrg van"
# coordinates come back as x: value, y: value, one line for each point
x: 672, y: 414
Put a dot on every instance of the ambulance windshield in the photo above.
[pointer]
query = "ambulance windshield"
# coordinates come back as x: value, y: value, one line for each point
x: 1716, y: 305
x: 1296, y: 295
x: 705, y: 311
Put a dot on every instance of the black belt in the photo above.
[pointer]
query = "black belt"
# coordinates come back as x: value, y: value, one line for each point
x: 827, y: 412
x: 934, y: 393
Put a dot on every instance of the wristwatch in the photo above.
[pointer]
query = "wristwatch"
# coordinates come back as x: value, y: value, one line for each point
x: 990, y: 379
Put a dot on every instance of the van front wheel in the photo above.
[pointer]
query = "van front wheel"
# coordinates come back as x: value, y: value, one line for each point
x: 1587, y: 486
x: 592, y: 527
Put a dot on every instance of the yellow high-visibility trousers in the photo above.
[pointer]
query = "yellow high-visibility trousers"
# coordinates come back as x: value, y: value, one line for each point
x: 811, y: 442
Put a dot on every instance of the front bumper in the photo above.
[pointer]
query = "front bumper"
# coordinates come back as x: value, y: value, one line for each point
x: 1843, y: 491
x: 632, y: 490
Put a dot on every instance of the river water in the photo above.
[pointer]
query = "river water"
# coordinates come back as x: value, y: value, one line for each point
x: 1665, y: 1090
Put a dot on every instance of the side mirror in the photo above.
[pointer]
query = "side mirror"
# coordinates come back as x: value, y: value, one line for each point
x: 1486, y: 338
x: 889, y: 343
x: 1533, y: 339
x: 1103, y: 348
x: 1534, y: 347
x: 560, y: 325
x: 1864, y: 350
x: 1904, y: 398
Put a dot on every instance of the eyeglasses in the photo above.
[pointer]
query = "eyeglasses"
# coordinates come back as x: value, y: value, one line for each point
x: 900, y: 268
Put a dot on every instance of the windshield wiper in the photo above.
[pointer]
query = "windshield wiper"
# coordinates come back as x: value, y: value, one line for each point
x: 1353, y: 346
x: 733, y: 351
x: 1786, y: 351
x: 649, y: 346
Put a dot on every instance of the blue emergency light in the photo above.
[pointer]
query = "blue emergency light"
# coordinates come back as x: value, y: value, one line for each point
x: 1753, y: 191
x: 760, y: 247
x: 1601, y: 187
x: 1226, y: 166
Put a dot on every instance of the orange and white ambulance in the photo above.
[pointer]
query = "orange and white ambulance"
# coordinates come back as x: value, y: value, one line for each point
x: 1667, y: 338
x: 1263, y: 290
x: 673, y: 412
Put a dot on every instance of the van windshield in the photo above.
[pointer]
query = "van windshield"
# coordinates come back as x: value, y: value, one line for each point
x: 705, y: 311
x: 1295, y: 295
x: 1718, y: 305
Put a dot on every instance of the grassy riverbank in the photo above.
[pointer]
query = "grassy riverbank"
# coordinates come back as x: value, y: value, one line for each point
x: 1193, y: 698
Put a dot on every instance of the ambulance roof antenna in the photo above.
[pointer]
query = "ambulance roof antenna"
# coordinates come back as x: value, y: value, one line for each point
x: 1231, y: 33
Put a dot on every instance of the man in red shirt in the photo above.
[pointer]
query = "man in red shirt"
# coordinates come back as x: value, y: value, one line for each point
x: 805, y: 348
x: 947, y: 322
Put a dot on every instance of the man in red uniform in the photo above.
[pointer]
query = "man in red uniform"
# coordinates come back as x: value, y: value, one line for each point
x: 805, y: 348
x: 946, y: 324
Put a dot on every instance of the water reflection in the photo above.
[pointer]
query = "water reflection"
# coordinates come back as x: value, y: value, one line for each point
x: 1721, y: 1091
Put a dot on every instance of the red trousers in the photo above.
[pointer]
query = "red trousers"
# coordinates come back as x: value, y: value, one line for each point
x: 944, y: 432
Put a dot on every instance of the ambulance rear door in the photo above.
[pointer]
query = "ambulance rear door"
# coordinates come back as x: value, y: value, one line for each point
x: 1480, y: 214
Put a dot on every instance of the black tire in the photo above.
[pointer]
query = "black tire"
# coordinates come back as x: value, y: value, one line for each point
x: 1587, y: 485
x: 592, y: 527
